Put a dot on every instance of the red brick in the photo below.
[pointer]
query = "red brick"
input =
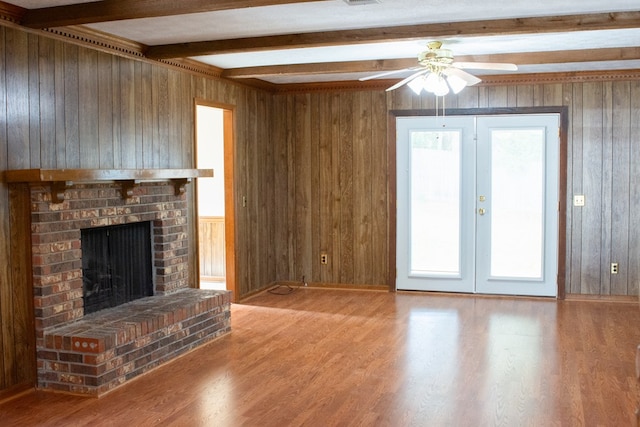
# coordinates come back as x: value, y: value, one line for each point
x: 87, y: 345
x: 72, y: 379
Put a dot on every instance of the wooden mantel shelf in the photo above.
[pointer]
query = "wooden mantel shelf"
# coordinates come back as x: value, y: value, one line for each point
x: 61, y: 179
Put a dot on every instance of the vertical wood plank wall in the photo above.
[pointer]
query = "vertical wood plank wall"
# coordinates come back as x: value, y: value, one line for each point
x: 211, y: 246
x: 332, y: 180
x: 65, y: 106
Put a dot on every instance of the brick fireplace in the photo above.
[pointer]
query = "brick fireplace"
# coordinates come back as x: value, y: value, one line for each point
x: 94, y: 353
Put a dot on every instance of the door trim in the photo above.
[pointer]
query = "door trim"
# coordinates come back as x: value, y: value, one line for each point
x: 563, y: 111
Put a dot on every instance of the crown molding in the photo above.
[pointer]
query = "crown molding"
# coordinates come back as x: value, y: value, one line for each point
x: 193, y: 67
x: 104, y: 42
x: 563, y: 77
x: 11, y: 13
x: 99, y: 40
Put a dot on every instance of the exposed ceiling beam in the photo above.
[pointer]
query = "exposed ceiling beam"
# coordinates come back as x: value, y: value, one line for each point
x: 597, y: 21
x: 117, y: 10
x: 529, y: 58
x: 320, y: 68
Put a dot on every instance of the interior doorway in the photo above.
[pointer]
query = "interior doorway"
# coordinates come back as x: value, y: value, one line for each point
x: 215, y: 199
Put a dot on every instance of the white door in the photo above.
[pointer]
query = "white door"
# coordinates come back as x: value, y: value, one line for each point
x: 478, y: 204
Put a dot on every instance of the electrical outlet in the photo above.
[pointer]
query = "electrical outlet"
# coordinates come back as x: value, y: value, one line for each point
x: 578, y: 200
x: 614, y: 268
x: 324, y: 259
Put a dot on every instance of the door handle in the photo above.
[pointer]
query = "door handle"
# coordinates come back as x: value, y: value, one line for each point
x: 482, y: 211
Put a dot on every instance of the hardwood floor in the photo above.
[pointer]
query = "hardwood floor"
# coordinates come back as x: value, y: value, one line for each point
x: 320, y: 357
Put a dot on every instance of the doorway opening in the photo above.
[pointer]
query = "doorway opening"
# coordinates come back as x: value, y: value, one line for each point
x: 215, y: 198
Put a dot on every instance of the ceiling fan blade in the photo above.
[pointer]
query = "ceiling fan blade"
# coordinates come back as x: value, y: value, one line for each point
x: 470, y: 79
x: 408, y: 79
x: 387, y: 73
x: 486, y: 66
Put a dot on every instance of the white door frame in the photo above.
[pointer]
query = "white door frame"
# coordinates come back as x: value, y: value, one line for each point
x: 562, y: 179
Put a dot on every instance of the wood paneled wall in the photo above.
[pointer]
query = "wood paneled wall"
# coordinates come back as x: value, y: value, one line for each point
x: 332, y: 187
x: 333, y: 195
x: 66, y: 106
x: 212, y: 245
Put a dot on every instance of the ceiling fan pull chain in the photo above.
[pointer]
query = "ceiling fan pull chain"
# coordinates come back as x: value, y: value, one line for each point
x: 444, y: 112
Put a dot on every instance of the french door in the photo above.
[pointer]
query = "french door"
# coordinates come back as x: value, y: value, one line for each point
x: 477, y: 200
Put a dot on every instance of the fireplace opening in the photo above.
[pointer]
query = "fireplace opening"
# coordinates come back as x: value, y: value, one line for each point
x: 117, y: 265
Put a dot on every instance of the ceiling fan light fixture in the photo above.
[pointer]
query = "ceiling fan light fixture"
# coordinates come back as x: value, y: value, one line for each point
x: 431, y: 82
x: 417, y: 84
x: 436, y: 84
x: 439, y: 74
x: 456, y: 83
x: 442, y: 88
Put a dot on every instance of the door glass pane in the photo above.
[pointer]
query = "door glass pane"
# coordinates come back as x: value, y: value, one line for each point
x: 517, y: 202
x: 435, y: 202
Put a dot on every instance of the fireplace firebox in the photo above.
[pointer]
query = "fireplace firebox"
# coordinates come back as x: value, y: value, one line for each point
x: 116, y: 265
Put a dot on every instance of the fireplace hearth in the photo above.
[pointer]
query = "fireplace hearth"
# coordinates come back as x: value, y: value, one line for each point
x: 90, y: 350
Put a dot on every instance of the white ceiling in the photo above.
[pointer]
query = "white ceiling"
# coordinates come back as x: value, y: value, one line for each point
x: 332, y: 15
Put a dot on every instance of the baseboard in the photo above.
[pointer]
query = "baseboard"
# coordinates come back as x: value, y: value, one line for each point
x: 346, y: 286
x: 626, y: 299
x: 15, y: 392
x: 314, y: 285
x: 251, y: 294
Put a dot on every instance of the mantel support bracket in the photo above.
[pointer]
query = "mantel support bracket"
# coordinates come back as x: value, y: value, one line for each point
x: 180, y: 185
x: 127, y: 187
x: 58, y: 189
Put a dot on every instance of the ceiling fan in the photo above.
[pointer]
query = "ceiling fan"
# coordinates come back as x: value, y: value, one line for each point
x: 438, y: 72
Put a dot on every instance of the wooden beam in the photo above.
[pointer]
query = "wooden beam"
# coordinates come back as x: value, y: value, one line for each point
x: 549, y: 24
x: 319, y: 68
x: 523, y: 58
x: 559, y: 56
x: 117, y: 10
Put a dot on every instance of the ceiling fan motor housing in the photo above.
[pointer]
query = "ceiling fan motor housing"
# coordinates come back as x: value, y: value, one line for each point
x: 435, y: 57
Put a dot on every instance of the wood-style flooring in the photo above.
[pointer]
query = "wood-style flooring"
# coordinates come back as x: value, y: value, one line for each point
x: 320, y: 357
